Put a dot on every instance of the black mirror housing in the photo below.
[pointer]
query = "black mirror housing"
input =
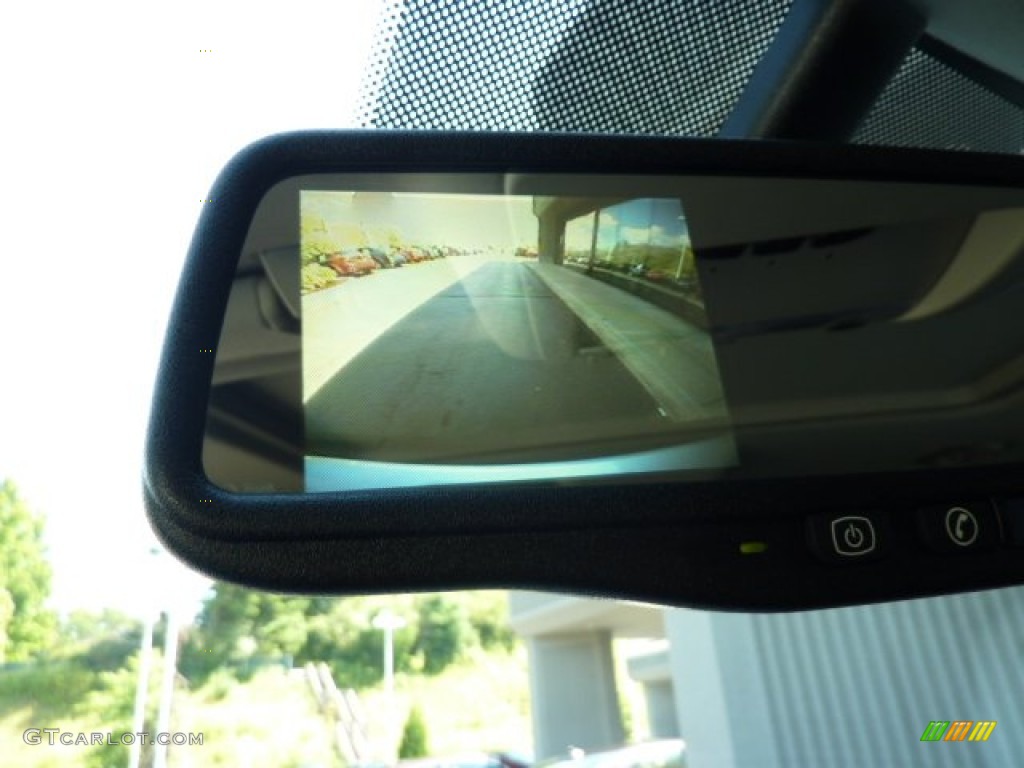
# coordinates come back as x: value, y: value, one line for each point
x: 732, y: 539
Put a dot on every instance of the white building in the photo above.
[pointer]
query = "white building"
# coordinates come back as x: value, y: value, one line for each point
x: 842, y: 687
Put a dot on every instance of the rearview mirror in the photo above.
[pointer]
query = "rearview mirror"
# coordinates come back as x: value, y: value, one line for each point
x: 753, y: 375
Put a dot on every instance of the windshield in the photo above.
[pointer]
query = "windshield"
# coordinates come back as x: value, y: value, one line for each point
x: 119, y: 117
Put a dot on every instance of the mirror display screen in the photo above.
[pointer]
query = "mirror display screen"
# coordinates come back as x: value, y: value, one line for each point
x: 390, y: 330
x: 479, y: 337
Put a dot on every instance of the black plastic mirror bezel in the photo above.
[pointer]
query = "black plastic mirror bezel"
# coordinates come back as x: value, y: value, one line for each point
x: 669, y: 543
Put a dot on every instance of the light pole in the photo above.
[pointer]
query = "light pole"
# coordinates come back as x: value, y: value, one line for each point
x: 163, y: 718
x: 141, y: 689
x: 388, y: 622
x: 162, y: 580
x: 142, y: 685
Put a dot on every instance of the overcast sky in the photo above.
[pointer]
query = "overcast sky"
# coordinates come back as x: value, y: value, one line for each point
x: 118, y: 115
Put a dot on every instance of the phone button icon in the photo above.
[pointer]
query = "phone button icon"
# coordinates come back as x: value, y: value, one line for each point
x: 959, y: 527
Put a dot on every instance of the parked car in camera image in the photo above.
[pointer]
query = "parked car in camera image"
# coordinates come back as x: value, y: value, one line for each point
x: 412, y: 255
x: 381, y: 258
x: 352, y: 262
x: 397, y: 257
x: 341, y: 264
x: 364, y: 261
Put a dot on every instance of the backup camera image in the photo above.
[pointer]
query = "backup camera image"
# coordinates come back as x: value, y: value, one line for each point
x: 479, y: 338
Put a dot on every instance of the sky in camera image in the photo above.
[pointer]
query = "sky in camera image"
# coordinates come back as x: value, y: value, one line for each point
x: 651, y: 221
x: 460, y: 221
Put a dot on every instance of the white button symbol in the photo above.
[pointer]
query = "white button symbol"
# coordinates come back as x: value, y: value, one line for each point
x: 853, y: 535
x: 961, y: 526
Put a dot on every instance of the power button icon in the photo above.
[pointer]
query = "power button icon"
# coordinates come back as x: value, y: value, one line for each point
x: 853, y: 536
x: 848, y: 538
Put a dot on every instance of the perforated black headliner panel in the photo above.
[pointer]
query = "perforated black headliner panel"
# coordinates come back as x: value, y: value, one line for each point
x: 930, y: 104
x: 670, y: 67
x: 604, y: 66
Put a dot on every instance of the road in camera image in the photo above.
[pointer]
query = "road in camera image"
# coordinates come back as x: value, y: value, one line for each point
x: 437, y: 330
